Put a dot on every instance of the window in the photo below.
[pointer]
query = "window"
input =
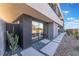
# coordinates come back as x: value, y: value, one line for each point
x: 37, y: 30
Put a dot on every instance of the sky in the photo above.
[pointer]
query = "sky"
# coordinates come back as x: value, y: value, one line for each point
x: 71, y: 15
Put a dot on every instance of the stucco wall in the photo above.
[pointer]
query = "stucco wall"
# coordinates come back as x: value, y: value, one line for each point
x: 45, y: 30
x: 2, y: 38
x: 55, y: 29
x: 46, y: 10
x: 27, y: 31
x: 50, y: 31
x: 10, y: 12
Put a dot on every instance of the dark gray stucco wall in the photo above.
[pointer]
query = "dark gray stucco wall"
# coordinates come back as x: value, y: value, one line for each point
x: 27, y: 30
x: 45, y: 30
x: 55, y: 29
x: 48, y: 30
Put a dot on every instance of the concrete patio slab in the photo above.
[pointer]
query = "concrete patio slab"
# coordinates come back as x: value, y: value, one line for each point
x: 31, y: 52
x: 52, y: 46
x: 45, y: 41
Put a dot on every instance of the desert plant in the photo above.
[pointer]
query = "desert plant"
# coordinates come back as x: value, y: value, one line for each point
x: 13, y: 41
x: 68, y: 32
x: 77, y: 34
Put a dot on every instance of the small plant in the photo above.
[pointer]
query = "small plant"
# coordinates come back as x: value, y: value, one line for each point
x: 13, y: 41
x: 77, y: 34
x: 68, y: 32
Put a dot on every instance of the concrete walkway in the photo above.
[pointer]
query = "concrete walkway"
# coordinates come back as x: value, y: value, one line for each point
x: 52, y: 46
x: 49, y: 49
x: 31, y: 52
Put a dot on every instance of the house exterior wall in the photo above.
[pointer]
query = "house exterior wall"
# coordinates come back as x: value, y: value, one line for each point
x: 50, y: 31
x: 45, y: 30
x: 44, y: 13
x: 55, y: 29
x: 2, y: 37
x: 41, y: 11
x: 46, y: 10
x: 10, y: 12
x: 26, y: 24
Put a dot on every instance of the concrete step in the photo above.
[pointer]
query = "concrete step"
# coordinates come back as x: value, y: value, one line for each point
x: 31, y: 52
x: 45, y: 41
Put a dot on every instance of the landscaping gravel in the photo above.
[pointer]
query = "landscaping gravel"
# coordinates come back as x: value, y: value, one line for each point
x: 69, y: 46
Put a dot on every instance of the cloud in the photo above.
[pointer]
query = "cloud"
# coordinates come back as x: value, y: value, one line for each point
x: 71, y: 18
x: 66, y: 12
x: 72, y: 24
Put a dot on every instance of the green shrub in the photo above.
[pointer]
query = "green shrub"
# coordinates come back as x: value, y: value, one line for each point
x: 13, y: 41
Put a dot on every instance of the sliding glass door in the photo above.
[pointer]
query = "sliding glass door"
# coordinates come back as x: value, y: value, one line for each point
x: 37, y: 31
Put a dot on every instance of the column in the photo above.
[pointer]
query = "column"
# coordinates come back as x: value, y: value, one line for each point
x: 26, y: 23
x: 50, y: 30
x: 2, y: 38
x: 55, y: 29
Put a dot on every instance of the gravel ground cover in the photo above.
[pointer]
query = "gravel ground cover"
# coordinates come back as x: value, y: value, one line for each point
x: 69, y: 46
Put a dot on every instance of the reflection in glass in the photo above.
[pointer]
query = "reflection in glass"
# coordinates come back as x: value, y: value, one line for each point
x: 37, y: 30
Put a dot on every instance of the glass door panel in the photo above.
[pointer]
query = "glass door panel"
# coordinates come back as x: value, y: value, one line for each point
x: 37, y: 30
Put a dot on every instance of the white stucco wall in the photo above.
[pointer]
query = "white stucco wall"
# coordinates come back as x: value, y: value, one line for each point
x: 46, y: 10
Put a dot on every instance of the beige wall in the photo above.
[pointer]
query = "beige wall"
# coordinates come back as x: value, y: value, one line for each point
x: 42, y: 11
x: 46, y: 10
x: 10, y: 12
